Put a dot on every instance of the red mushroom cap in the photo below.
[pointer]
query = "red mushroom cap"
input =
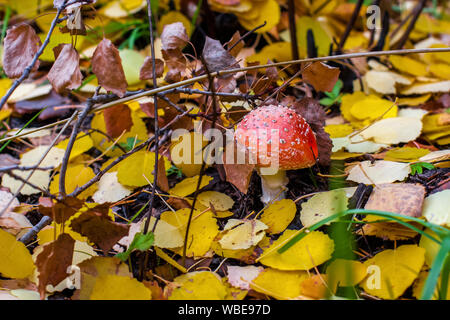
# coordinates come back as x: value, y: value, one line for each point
x: 296, y: 147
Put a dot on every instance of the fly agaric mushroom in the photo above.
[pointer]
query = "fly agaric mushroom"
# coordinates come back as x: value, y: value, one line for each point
x: 277, y: 137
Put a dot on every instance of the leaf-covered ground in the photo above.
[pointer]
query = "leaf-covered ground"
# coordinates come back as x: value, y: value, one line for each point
x: 110, y: 111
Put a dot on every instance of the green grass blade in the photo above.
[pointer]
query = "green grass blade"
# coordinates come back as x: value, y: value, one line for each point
x: 21, y: 129
x: 392, y: 216
x: 436, y: 269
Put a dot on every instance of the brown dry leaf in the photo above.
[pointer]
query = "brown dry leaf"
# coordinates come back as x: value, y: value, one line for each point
x: 237, y: 174
x: 146, y: 71
x: 176, y: 63
x: 60, y: 211
x: 20, y: 46
x: 216, y: 57
x: 174, y: 36
x: 117, y: 120
x: 107, y: 66
x: 238, y: 46
x: 53, y: 261
x: 162, y: 180
x: 388, y: 231
x: 321, y: 76
x: 402, y: 198
x: 65, y: 72
x: 99, y: 228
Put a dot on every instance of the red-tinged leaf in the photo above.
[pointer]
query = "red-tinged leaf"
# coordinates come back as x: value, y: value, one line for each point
x: 321, y: 76
x: 20, y: 46
x: 107, y: 66
x: 216, y: 57
x: 59, y: 211
x: 174, y: 36
x: 146, y: 72
x: 99, y: 229
x: 117, y: 120
x: 53, y: 261
x: 65, y: 72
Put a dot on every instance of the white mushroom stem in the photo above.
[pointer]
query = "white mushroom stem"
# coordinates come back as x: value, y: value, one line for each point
x: 273, y: 186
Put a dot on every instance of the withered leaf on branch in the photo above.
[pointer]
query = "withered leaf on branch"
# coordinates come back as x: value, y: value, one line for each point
x: 20, y: 46
x: 146, y: 72
x: 65, y: 72
x: 176, y: 63
x: 107, y: 66
x: 59, y: 211
x: 53, y: 261
x: 174, y: 36
x: 321, y: 76
x: 117, y: 120
x: 216, y: 57
x: 312, y: 111
x: 99, y: 228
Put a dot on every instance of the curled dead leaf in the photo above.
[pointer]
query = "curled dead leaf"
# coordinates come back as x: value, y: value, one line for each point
x: 20, y: 46
x: 107, y: 66
x: 65, y: 72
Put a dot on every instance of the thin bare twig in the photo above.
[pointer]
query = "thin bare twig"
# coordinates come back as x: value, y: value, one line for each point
x: 350, y: 24
x: 73, y: 137
x: 293, y: 30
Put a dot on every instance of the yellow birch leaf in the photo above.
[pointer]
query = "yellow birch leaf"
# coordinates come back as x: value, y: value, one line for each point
x: 394, y: 271
x: 242, y: 234
x: 278, y: 51
x: 321, y: 37
x: 279, y: 215
x: 405, y: 154
x: 338, y: 130
x: 408, y: 65
x: 282, y: 285
x: 137, y: 169
x: 114, y: 287
x: 373, y: 107
x: 312, y: 250
x: 202, y: 231
x: 268, y: 11
x: 189, y: 185
x: 345, y: 273
x: 82, y: 144
x: 15, y: 259
x: 220, y: 201
x: 198, y: 285
x: 440, y: 70
x: 323, y: 205
x: 76, y: 176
